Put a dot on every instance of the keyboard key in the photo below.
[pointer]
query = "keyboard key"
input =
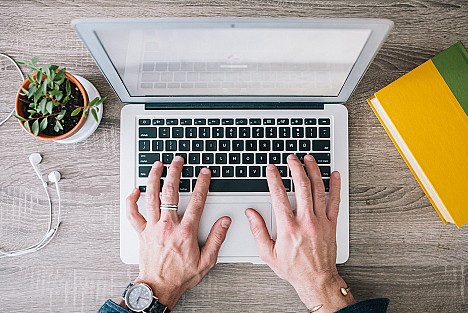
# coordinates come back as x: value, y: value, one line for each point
x: 241, y: 171
x: 147, y: 132
x: 301, y: 156
x: 167, y: 158
x: 172, y: 121
x: 204, y: 132
x: 268, y: 121
x: 283, y: 170
x: 191, y: 132
x: 144, y: 145
x: 310, y: 121
x: 311, y: 132
x: 234, y: 158
x: 284, y: 132
x: 241, y: 121
x: 244, y: 132
x: 324, y: 121
x: 177, y: 132
x: 164, y: 132
x: 207, y: 158
x: 297, y: 132
x: 296, y: 121
x: 224, y: 145
x: 198, y: 145
x: 171, y: 145
x: 186, y: 121
x: 200, y: 121
x: 214, y: 121
x: 227, y: 121
x: 184, y: 185
x: 238, y: 145
x: 255, y: 121
x: 291, y: 145
x: 321, y: 158
x: 243, y: 185
x: 261, y: 158
x: 248, y: 158
x: 254, y: 171
x: 271, y: 132
x: 183, y: 155
x: 143, y: 171
x: 142, y: 188
x: 257, y: 132
x: 215, y: 171
x: 187, y: 171
x: 278, y: 145
x: 217, y: 132
x: 275, y: 158
x: 324, y: 132
x: 304, y: 145
x: 211, y: 145
x: 251, y: 145
x: 282, y: 121
x: 194, y: 158
x: 148, y: 158
x: 144, y: 121
x: 326, y: 184
x: 228, y: 171
x: 221, y: 158
x: 325, y: 171
x: 158, y: 121
x: 184, y: 145
x: 197, y: 171
x: 321, y: 145
x: 264, y: 145
x: 231, y: 132
x: 158, y: 145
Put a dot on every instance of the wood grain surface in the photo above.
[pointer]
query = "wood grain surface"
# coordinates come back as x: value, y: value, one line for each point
x: 399, y: 247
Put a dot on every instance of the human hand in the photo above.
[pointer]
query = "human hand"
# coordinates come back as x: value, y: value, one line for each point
x: 304, y: 253
x: 171, y: 260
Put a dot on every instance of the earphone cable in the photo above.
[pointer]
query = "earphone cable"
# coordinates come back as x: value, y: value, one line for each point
x: 22, y: 79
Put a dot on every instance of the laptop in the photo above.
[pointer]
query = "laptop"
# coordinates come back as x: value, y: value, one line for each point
x: 233, y: 95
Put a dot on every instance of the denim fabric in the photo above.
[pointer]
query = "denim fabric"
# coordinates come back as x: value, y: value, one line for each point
x: 367, y: 306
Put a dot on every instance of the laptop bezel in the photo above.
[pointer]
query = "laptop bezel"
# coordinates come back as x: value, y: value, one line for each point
x: 86, y: 29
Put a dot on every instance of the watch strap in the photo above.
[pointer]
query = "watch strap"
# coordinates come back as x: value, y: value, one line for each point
x: 157, y: 307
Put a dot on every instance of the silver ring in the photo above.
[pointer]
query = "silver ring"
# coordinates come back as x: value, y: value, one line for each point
x: 171, y: 207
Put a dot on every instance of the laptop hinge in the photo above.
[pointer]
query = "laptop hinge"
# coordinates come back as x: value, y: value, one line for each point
x: 235, y: 105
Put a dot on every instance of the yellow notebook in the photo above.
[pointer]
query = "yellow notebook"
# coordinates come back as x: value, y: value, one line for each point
x: 425, y: 113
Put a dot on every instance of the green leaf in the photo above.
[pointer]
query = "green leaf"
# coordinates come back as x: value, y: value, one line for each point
x: 65, y: 100
x: 94, y: 112
x: 21, y: 62
x: 31, y: 112
x: 61, y: 114
x: 34, y: 60
x: 39, y: 77
x: 25, y: 92
x: 26, y: 125
x: 20, y: 118
x: 35, y: 127
x: 68, y: 87
x: 57, y: 126
x: 42, y: 107
x: 37, y: 95
x: 85, y: 113
x: 50, y: 106
x: 43, y: 124
x: 94, y: 102
x: 53, y: 67
x: 31, y: 79
x: 76, y: 112
x: 59, y: 96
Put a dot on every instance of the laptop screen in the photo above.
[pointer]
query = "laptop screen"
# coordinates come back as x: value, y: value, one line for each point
x: 233, y: 61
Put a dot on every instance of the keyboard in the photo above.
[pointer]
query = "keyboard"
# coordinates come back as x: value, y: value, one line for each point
x: 237, y: 150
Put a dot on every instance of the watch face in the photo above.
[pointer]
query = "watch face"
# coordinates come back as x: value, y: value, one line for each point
x: 139, y: 297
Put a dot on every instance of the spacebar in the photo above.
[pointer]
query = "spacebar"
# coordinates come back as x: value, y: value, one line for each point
x: 243, y: 185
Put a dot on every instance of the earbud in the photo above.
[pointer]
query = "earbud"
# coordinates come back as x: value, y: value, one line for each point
x: 35, y: 159
x: 54, y: 177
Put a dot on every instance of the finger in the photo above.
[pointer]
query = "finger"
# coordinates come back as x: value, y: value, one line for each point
x: 279, y: 198
x: 333, y: 205
x: 152, y: 192
x: 135, y: 218
x: 265, y: 244
x: 170, y: 191
x: 209, y: 252
x: 318, y: 190
x: 195, y: 207
x: 302, y: 185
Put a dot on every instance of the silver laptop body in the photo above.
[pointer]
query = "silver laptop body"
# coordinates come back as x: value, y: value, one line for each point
x: 234, y: 95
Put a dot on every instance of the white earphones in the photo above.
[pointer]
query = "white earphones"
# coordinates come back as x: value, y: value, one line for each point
x: 53, y: 177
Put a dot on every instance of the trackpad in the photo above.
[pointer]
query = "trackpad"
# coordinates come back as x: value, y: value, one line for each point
x: 239, y: 240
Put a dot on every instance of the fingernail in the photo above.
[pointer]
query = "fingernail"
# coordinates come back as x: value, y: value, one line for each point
x: 225, y: 223
x: 248, y: 214
x: 205, y: 170
x: 292, y: 157
x: 178, y: 158
x: 336, y: 174
x: 309, y: 158
x: 271, y: 167
x: 156, y: 164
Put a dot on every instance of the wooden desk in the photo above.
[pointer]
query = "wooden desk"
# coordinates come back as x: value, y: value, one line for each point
x: 399, y: 247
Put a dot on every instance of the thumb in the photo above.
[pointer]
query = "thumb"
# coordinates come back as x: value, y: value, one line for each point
x: 209, y: 252
x: 265, y: 244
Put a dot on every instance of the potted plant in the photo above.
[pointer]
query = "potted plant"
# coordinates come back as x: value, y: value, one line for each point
x: 52, y: 104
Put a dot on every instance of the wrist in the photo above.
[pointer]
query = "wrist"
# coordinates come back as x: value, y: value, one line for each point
x: 167, y: 294
x: 325, y: 291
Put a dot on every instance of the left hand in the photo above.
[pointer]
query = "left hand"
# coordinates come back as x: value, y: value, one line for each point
x: 171, y: 260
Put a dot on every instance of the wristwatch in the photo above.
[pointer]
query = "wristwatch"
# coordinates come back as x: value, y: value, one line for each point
x: 140, y: 298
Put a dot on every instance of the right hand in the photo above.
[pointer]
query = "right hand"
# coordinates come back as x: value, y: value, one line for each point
x: 304, y: 253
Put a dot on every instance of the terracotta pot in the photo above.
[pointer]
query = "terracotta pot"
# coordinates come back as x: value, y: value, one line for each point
x: 20, y: 104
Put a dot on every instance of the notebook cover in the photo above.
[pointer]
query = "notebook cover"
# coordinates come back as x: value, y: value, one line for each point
x: 429, y: 108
